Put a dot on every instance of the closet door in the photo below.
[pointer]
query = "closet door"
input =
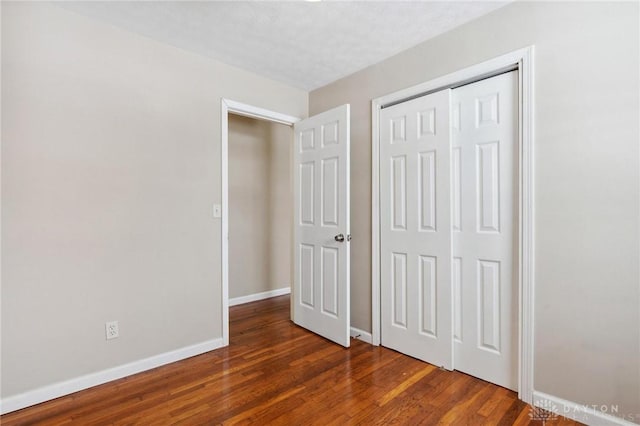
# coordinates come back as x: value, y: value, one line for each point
x: 485, y: 238
x: 415, y: 228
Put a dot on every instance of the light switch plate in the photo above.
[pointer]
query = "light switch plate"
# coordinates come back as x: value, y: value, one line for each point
x: 217, y: 211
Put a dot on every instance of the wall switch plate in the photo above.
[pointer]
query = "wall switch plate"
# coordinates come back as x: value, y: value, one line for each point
x: 217, y: 211
x: 111, y: 330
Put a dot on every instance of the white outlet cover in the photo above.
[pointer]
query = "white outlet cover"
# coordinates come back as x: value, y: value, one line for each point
x: 217, y: 210
x: 112, y: 330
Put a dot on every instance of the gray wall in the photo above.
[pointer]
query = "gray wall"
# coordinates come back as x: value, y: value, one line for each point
x: 111, y: 164
x: 260, y: 206
x: 587, y: 317
x: 110, y: 169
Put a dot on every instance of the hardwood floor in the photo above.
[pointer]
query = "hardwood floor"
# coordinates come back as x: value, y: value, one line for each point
x: 274, y: 372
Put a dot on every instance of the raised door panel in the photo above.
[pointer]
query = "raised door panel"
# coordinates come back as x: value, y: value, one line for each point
x: 428, y: 301
x: 399, y: 193
x: 330, y: 196
x: 488, y: 320
x: 427, y: 191
x: 330, y: 275
x: 307, y: 274
x: 399, y: 286
x: 488, y: 184
x: 456, y: 189
x: 457, y: 298
x: 306, y: 195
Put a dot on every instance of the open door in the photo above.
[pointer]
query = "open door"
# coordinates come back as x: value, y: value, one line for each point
x: 321, y: 225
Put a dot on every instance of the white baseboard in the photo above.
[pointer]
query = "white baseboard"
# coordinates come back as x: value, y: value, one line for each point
x: 259, y: 296
x: 361, y: 335
x: 587, y: 414
x: 67, y: 387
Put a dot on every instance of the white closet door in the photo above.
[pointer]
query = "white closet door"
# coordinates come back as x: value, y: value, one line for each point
x: 485, y: 238
x: 416, y: 228
x: 321, y: 228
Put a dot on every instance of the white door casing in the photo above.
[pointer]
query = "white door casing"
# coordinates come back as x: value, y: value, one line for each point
x: 485, y: 224
x: 415, y: 228
x: 321, y: 213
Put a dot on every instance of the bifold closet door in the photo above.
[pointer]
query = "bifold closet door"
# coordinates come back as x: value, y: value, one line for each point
x: 415, y: 228
x: 485, y: 238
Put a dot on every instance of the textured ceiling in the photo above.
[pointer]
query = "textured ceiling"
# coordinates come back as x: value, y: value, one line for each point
x: 303, y: 44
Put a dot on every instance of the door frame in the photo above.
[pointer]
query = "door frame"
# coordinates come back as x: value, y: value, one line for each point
x: 521, y: 60
x: 229, y: 106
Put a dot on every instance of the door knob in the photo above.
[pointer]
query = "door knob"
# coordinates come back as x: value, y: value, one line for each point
x: 339, y: 238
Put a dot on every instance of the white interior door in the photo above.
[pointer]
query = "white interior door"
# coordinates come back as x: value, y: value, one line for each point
x: 415, y: 228
x: 485, y: 238
x: 321, y: 225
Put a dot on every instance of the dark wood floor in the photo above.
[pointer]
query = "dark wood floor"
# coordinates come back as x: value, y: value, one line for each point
x: 274, y: 372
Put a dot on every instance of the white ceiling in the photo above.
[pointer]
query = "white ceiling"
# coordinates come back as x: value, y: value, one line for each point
x: 304, y: 44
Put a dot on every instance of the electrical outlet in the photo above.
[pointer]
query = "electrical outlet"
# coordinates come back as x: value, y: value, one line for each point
x: 111, y: 330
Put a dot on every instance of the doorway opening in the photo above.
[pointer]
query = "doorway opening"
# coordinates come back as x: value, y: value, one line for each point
x: 260, y: 209
x: 262, y: 222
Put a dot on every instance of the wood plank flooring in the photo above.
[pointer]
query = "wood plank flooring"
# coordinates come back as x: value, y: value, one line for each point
x: 274, y: 372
